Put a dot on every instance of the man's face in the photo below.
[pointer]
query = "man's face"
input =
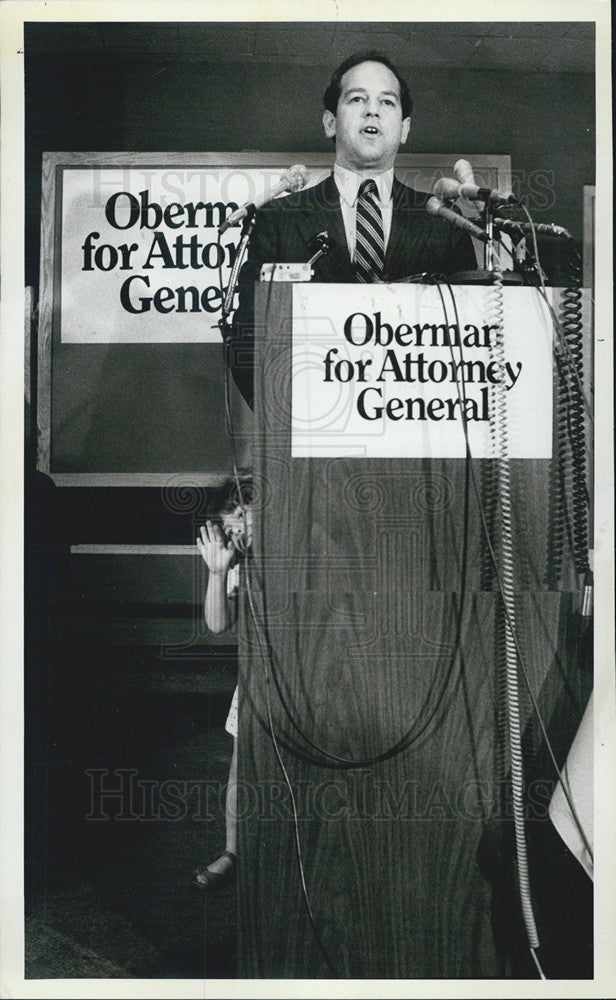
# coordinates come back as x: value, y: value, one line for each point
x: 368, y: 126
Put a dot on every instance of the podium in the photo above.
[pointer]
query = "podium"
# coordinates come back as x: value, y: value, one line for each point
x: 378, y: 663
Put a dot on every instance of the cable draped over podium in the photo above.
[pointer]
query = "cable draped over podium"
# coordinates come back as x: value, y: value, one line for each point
x: 372, y: 668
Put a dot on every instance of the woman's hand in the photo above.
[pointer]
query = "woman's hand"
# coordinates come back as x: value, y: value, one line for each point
x: 216, y: 551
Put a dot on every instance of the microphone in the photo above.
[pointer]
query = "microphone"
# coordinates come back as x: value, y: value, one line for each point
x: 447, y: 188
x: 475, y: 193
x: 518, y: 228
x: 434, y: 207
x: 513, y: 229
x: 321, y: 244
x: 463, y: 172
x: 293, y: 179
x: 468, y: 189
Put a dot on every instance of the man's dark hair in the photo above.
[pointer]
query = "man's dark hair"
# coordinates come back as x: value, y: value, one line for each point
x: 332, y: 94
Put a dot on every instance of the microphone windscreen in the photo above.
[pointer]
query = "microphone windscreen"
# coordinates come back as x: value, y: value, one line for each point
x: 447, y: 187
x: 464, y: 172
x: 295, y: 177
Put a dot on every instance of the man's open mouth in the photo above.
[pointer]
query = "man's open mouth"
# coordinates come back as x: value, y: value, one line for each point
x: 370, y: 130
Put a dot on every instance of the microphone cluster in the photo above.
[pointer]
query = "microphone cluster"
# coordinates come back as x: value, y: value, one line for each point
x: 448, y: 189
x: 462, y: 185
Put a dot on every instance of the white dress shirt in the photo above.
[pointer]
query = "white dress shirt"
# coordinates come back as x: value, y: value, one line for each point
x: 348, y: 184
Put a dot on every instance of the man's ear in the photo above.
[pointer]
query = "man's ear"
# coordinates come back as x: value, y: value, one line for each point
x: 329, y: 124
x: 406, y: 124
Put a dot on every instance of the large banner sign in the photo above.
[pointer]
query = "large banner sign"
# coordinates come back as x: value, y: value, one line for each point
x: 379, y: 371
x: 141, y: 258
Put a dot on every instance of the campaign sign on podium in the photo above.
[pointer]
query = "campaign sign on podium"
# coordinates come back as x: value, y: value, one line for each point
x: 383, y: 371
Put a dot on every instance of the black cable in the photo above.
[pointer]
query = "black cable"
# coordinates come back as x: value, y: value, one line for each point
x: 267, y: 672
x: 521, y: 661
x: 541, y: 288
x: 570, y: 440
x: 557, y: 497
x: 223, y: 319
x: 272, y: 733
x: 326, y: 758
x: 571, y: 403
x: 333, y: 760
x: 557, y: 327
x: 522, y: 665
x: 572, y: 326
x: 408, y: 739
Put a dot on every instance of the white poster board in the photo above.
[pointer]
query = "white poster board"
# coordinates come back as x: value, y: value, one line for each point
x: 373, y: 375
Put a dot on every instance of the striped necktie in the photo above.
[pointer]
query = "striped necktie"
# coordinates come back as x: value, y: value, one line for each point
x: 369, y: 239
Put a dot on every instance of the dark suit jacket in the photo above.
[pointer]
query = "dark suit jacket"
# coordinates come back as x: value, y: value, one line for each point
x: 285, y: 232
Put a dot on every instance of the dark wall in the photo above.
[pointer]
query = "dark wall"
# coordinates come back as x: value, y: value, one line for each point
x: 85, y: 102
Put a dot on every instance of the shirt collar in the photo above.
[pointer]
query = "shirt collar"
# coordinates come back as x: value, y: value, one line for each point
x: 348, y: 182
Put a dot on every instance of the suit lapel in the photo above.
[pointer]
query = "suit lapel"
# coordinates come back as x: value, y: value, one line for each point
x: 322, y: 214
x: 407, y: 236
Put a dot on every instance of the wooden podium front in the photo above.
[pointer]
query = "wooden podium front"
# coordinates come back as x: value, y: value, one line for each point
x: 388, y: 706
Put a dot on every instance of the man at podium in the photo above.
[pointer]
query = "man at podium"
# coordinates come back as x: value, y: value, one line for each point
x: 376, y: 228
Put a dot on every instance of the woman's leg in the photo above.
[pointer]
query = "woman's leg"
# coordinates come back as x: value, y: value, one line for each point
x: 231, y: 803
x: 218, y: 872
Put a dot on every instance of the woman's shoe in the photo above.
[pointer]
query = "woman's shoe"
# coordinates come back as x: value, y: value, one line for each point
x: 213, y: 880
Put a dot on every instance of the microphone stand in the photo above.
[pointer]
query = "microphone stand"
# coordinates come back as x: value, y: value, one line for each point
x: 485, y: 275
x: 488, y: 248
x: 324, y: 244
x: 247, y: 227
